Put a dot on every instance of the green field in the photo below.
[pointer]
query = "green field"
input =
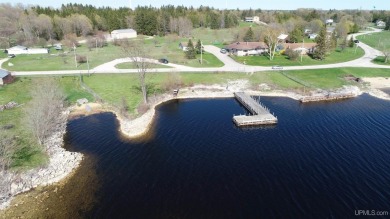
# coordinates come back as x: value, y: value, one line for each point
x: 335, y: 57
x: 376, y: 39
x: 28, y: 153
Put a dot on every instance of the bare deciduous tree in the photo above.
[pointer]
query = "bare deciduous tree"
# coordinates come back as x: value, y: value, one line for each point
x: 271, y: 34
x: 139, y: 56
x: 44, y: 111
x: 385, y: 50
x: 7, y: 150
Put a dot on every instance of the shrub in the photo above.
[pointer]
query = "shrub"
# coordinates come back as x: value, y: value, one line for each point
x: 81, y: 59
x: 292, y: 55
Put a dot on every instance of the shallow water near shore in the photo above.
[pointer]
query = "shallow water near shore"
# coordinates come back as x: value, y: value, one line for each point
x: 322, y: 160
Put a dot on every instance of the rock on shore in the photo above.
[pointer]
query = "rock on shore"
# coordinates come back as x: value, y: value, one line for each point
x: 61, y: 164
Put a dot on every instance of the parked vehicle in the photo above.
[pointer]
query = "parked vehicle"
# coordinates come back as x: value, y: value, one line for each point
x: 356, y: 41
x: 223, y: 51
x: 277, y: 67
x: 11, y: 56
x: 165, y: 61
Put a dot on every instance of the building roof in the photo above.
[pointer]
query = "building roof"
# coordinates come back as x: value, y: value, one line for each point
x: 3, y: 73
x: 124, y: 31
x: 282, y: 36
x: 18, y: 47
x: 294, y: 46
x: 247, y: 45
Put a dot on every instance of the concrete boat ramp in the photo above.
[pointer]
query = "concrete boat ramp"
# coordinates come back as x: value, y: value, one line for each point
x: 260, y: 114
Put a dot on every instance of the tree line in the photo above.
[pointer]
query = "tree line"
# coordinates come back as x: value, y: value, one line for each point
x: 37, y: 25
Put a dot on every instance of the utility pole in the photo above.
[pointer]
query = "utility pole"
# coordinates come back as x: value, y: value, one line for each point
x: 303, y: 47
x: 88, y: 66
x: 74, y: 52
x: 201, y: 53
x: 96, y: 44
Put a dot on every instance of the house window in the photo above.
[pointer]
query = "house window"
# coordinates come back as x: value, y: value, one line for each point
x: 245, y: 50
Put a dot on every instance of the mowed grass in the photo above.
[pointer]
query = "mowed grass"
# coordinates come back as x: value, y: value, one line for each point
x: 64, y: 60
x: 376, y: 40
x: 334, y: 57
x: 28, y: 153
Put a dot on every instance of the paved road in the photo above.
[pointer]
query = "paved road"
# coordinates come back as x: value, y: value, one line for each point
x: 229, y: 64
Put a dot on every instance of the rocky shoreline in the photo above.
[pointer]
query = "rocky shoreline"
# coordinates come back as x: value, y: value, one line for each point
x: 60, y: 165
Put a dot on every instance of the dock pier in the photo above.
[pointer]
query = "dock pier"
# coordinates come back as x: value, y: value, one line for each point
x: 260, y: 114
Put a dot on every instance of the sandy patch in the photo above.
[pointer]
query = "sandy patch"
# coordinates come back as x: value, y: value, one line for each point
x: 375, y: 84
x: 378, y: 82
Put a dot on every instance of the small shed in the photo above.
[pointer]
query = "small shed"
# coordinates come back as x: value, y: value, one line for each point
x: 183, y: 46
x: 5, y: 77
x: 123, y: 34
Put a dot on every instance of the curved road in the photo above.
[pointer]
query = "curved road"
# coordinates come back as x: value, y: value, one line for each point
x: 229, y: 64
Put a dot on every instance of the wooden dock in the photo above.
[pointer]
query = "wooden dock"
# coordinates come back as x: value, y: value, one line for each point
x: 326, y: 98
x: 260, y: 114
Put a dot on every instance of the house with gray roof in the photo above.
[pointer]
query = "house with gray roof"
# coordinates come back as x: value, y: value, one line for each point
x: 5, y: 77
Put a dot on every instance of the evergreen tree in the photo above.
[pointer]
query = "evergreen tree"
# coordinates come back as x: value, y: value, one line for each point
x: 351, y: 43
x: 387, y: 27
x: 321, y: 48
x: 190, y: 53
x: 333, y: 41
x: 198, y: 47
x: 296, y: 35
x: 249, y: 35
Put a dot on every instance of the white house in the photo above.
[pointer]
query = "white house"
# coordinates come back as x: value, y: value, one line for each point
x: 329, y: 21
x: 247, y: 48
x: 252, y: 19
x: 123, y: 34
x: 380, y: 24
x: 16, y: 50
x: 313, y: 36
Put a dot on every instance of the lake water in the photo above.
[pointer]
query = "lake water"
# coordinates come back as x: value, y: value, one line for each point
x: 322, y: 160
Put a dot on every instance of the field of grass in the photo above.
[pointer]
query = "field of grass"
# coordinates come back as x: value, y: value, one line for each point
x: 375, y: 39
x: 28, y: 153
x: 335, y: 57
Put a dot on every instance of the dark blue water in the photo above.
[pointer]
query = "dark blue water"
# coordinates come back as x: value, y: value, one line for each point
x: 323, y: 160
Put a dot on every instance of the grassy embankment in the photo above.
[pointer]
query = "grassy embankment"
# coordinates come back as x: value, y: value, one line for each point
x: 28, y: 153
x: 378, y: 41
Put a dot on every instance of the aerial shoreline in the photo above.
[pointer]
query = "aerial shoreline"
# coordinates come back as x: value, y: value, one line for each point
x: 140, y: 126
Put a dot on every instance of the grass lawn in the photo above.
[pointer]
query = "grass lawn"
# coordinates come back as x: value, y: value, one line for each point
x: 130, y: 65
x: 380, y: 60
x: 374, y: 39
x: 335, y: 57
x: 28, y: 153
